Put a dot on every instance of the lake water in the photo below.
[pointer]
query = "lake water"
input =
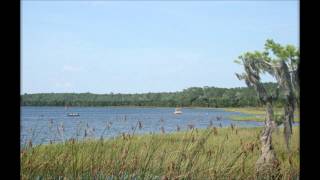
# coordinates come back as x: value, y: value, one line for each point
x: 45, y: 124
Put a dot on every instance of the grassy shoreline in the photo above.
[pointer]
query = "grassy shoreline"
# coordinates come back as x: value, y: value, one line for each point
x: 256, y: 114
x: 219, y: 153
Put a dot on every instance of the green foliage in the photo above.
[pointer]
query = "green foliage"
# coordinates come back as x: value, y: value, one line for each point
x: 273, y: 60
x: 191, y: 97
x: 289, y: 53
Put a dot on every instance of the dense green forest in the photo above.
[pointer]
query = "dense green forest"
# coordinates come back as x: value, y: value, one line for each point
x: 191, y: 97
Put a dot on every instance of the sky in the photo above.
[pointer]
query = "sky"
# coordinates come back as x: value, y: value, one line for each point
x: 145, y: 46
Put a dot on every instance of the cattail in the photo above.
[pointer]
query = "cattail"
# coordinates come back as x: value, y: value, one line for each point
x: 30, y: 143
x: 248, y: 147
x: 124, y: 153
x: 72, y: 140
x: 123, y: 136
x: 22, y: 153
x: 184, y: 156
x: 50, y: 123
x: 193, y: 139
x: 164, y: 178
x: 178, y: 128
x: 135, y: 162
x: 232, y: 126
x: 190, y: 126
x: 140, y: 124
x: 215, y: 131
x: 172, y: 165
x: 162, y: 129
x: 290, y: 160
x: 252, y: 145
x: 62, y: 128
x: 211, y: 123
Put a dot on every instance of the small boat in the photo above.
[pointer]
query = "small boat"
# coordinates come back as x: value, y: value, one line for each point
x: 178, y: 111
x: 73, y: 114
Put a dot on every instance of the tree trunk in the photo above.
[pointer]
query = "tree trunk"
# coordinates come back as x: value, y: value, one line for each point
x: 267, y: 162
x: 284, y: 80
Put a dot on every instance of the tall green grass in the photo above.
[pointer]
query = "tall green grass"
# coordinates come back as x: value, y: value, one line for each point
x: 213, y: 153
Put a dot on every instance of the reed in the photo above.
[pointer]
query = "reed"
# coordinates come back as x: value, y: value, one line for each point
x: 212, y: 153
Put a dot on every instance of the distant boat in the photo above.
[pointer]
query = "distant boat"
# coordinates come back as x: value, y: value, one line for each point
x: 178, y: 111
x: 73, y: 114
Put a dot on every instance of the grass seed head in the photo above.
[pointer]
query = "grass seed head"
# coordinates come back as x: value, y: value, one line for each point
x: 215, y: 131
x: 164, y: 178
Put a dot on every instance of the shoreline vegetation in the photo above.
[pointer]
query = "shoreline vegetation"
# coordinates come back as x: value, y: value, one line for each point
x: 194, y: 154
x: 257, y: 113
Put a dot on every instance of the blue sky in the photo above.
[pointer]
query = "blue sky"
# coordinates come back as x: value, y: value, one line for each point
x: 141, y: 46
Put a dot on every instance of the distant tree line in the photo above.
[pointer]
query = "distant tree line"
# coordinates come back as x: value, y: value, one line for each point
x: 191, y: 97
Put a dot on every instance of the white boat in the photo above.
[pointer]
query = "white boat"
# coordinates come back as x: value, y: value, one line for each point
x: 178, y: 111
x: 73, y: 114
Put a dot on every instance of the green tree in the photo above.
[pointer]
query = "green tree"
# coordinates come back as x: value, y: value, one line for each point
x: 267, y: 160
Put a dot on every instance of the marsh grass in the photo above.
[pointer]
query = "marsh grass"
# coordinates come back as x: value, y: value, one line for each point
x: 256, y: 114
x: 212, y: 153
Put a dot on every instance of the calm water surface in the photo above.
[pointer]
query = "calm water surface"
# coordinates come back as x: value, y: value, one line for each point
x: 45, y: 124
